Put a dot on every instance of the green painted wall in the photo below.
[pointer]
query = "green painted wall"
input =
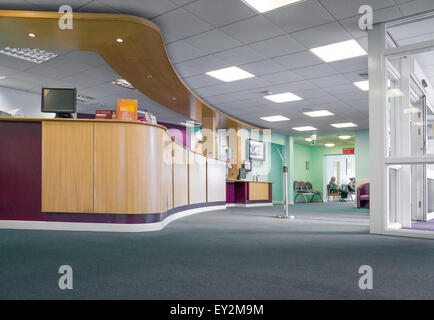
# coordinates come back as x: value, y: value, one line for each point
x: 278, y: 138
x: 362, y: 154
x: 275, y: 174
x: 301, y: 156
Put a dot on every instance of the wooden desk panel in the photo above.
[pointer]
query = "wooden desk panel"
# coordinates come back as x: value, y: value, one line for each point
x: 180, y: 176
x: 258, y: 191
x: 129, y: 173
x: 216, y: 179
x: 197, y: 177
x: 67, y: 167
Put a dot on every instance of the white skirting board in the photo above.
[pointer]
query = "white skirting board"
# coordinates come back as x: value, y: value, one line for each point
x: 102, y: 227
x: 248, y: 205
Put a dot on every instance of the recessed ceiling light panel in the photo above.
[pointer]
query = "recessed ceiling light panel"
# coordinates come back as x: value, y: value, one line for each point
x: 319, y: 113
x: 230, y: 74
x: 32, y: 55
x: 344, y: 125
x: 329, y: 145
x: 268, y: 5
x: 283, y: 97
x: 344, y: 137
x: 306, y: 128
x: 362, y: 85
x: 275, y: 118
x: 339, y: 51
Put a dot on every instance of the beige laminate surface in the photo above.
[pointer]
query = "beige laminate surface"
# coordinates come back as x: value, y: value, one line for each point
x: 216, y: 182
x: 67, y: 167
x: 180, y: 176
x: 197, y: 178
x: 124, y: 182
x: 126, y: 167
x: 258, y: 191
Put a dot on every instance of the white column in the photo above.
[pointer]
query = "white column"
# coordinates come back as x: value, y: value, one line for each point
x: 377, y: 123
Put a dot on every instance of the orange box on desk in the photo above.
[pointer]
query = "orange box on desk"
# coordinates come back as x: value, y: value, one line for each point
x: 127, y: 109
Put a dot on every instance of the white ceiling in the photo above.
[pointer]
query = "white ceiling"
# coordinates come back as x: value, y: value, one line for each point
x: 204, y: 35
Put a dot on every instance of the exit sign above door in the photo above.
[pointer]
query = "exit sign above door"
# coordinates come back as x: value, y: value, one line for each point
x: 348, y: 150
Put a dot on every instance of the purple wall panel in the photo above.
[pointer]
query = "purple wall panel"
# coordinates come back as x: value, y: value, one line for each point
x: 230, y: 192
x: 241, y: 192
x: 178, y: 132
x: 20, y: 170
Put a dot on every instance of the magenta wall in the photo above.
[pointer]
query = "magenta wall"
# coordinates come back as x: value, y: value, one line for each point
x: 178, y: 132
x: 20, y: 170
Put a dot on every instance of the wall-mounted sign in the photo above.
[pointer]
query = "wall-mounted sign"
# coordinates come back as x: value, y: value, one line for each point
x: 127, y: 109
x: 348, y: 151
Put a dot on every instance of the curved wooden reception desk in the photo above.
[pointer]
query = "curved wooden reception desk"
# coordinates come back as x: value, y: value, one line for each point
x: 101, y: 175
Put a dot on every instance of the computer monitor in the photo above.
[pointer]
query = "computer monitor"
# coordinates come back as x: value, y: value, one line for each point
x: 61, y: 101
x: 241, y: 174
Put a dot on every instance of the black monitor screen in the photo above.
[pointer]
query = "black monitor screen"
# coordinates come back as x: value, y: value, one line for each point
x: 59, y: 100
x: 241, y: 174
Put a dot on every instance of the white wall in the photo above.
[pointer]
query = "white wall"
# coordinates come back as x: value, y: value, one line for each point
x: 29, y: 103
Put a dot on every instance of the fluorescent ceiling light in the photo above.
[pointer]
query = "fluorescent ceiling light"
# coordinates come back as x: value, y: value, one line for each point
x: 306, y: 128
x: 308, y: 139
x: 339, y: 51
x: 32, y: 35
x: 2, y: 77
x: 120, y: 40
x: 283, y: 97
x: 319, y: 113
x: 230, y: 74
x: 344, y: 125
x: 33, y: 55
x: 344, y: 137
x: 329, y: 145
x: 268, y: 5
x: 275, y: 118
x: 362, y: 85
x: 123, y: 83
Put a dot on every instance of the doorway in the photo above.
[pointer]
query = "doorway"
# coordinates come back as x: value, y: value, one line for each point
x: 340, y: 166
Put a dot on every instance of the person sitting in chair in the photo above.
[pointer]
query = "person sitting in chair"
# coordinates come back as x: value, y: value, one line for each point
x: 333, y: 185
x: 351, y: 185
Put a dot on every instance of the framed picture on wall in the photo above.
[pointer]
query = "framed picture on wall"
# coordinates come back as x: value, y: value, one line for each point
x: 256, y: 150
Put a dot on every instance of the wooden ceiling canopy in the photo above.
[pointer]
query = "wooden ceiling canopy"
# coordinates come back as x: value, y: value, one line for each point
x: 141, y: 58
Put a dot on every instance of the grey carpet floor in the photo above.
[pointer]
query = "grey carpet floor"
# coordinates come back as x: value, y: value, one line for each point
x: 237, y: 253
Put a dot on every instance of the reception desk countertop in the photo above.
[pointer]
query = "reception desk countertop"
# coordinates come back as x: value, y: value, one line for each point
x: 240, y: 180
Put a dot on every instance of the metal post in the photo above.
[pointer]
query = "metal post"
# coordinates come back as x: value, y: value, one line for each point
x: 285, y: 190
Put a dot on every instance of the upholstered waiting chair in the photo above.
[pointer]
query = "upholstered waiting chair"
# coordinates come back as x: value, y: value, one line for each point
x: 305, y: 189
x: 309, y: 188
x: 363, y: 196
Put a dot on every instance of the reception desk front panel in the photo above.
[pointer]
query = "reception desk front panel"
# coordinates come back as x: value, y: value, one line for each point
x: 67, y: 167
x: 102, y: 171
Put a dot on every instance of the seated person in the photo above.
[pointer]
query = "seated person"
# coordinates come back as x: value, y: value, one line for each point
x: 333, y: 185
x: 351, y: 185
